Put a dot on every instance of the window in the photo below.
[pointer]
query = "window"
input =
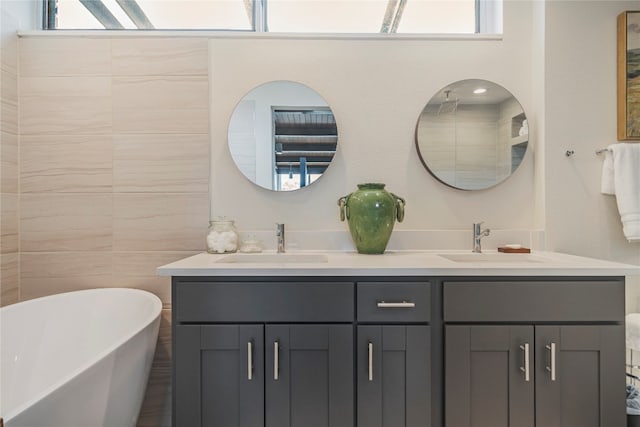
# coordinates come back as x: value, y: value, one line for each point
x: 280, y: 16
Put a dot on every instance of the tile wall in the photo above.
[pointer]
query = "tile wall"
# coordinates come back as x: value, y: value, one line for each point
x: 114, y: 167
x: 9, y: 188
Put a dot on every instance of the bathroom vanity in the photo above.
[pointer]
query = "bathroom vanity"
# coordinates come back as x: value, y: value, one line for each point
x: 403, y: 339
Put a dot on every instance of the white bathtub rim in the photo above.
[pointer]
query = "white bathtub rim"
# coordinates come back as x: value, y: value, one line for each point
x: 100, y: 356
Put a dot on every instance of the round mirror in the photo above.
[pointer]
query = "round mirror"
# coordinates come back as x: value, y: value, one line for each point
x: 282, y: 135
x: 472, y: 134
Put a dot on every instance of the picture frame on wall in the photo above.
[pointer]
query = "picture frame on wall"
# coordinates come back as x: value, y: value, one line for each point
x: 629, y: 76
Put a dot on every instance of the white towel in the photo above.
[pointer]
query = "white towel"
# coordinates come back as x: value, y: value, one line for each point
x: 626, y: 186
x: 607, y: 186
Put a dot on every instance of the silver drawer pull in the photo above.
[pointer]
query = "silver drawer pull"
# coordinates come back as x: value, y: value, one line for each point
x: 370, y: 361
x: 525, y: 369
x: 552, y: 369
x: 403, y: 304
x: 276, y: 354
x: 249, y: 361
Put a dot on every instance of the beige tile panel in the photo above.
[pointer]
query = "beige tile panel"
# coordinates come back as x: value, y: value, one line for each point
x: 160, y: 92
x: 76, y: 56
x: 65, y: 222
x: 9, y: 87
x: 154, y: 120
x: 65, y: 86
x: 156, y: 407
x: 44, y: 274
x: 66, y: 164
x: 8, y: 223
x: 138, y: 270
x: 8, y: 162
x: 79, y: 115
x: 160, y: 222
x: 9, y: 278
x: 8, y: 41
x: 161, y: 163
x: 9, y: 117
x: 160, y: 56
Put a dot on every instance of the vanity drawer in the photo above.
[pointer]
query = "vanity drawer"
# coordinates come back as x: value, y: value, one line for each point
x: 394, y: 302
x: 242, y: 302
x: 531, y: 301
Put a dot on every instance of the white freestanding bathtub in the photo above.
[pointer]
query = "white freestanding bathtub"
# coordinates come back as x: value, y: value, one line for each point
x: 77, y: 359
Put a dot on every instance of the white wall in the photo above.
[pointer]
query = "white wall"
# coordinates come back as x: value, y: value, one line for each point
x: 376, y: 89
x: 557, y: 57
x: 580, y: 114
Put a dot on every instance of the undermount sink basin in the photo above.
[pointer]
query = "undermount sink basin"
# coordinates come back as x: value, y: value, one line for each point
x: 274, y: 259
x: 498, y: 258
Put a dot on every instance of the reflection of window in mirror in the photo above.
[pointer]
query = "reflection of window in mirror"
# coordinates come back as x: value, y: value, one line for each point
x: 304, y: 142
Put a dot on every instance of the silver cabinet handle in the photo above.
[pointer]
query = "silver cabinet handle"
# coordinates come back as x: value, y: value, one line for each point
x: 552, y: 355
x: 370, y: 361
x: 525, y: 369
x: 249, y: 361
x: 276, y: 363
x: 403, y: 304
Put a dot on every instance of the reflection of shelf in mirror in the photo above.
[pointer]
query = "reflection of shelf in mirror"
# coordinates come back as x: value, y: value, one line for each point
x: 519, y: 139
x: 516, y: 124
x: 306, y: 139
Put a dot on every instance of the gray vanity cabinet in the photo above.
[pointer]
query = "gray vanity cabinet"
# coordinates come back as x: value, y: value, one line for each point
x: 263, y: 353
x: 309, y: 376
x: 393, y: 356
x: 487, y: 380
x: 394, y: 376
x: 219, y: 375
x: 534, y: 353
x: 587, y: 388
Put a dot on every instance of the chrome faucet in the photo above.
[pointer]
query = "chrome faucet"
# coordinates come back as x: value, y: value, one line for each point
x: 280, y: 235
x: 478, y: 234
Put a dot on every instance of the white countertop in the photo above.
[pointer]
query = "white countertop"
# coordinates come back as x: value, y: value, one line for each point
x: 395, y: 263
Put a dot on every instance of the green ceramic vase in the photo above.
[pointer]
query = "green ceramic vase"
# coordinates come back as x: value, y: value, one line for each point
x: 371, y: 212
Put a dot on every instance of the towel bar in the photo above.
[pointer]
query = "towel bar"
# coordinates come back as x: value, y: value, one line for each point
x: 602, y: 150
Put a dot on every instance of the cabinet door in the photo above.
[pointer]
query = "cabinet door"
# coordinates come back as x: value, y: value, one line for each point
x: 486, y: 382
x: 394, y: 376
x: 580, y: 378
x: 219, y: 378
x: 309, y: 372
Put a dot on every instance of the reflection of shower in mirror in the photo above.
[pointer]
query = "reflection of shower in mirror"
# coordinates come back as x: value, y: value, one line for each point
x: 472, y: 134
x: 448, y: 105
